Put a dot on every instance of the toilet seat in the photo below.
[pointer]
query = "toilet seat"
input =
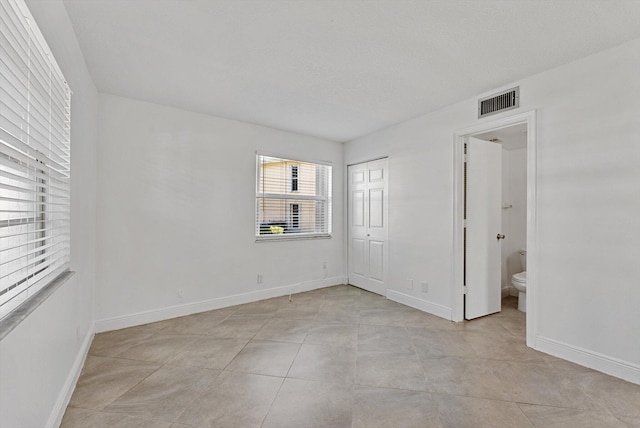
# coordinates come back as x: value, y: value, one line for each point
x: 520, y: 277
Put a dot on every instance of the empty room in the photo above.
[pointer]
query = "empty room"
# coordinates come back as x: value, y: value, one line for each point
x: 319, y: 213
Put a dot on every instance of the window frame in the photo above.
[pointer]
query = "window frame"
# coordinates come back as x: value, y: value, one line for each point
x: 291, y: 197
x: 35, y: 166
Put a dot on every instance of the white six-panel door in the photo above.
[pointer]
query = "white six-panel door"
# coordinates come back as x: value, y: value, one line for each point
x: 483, y: 226
x: 368, y: 225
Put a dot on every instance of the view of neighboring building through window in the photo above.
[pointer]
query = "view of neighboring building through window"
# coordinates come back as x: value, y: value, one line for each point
x: 34, y: 160
x: 293, y: 198
x: 294, y: 178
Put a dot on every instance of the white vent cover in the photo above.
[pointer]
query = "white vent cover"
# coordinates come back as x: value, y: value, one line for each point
x: 497, y: 103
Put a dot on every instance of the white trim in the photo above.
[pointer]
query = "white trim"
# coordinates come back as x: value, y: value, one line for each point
x: 293, y: 159
x: 162, y: 314
x: 57, y: 413
x: 594, y: 360
x: 457, y: 290
x: 420, y: 304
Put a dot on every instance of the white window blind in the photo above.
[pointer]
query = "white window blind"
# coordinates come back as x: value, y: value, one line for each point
x: 293, y: 198
x: 34, y: 159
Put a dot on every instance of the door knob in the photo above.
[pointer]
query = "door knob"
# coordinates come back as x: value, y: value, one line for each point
x: 500, y: 236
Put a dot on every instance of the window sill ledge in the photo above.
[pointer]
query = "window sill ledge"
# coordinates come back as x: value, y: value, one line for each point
x: 13, y: 319
x: 291, y: 238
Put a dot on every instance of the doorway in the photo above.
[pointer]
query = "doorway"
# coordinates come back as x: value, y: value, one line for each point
x: 368, y: 220
x: 460, y: 292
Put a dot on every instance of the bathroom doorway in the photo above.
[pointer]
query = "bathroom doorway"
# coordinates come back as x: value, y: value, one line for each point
x: 495, y: 192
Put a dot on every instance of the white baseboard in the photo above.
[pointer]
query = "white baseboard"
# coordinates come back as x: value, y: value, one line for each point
x: 55, y: 418
x: 594, y: 360
x: 423, y: 305
x: 161, y: 314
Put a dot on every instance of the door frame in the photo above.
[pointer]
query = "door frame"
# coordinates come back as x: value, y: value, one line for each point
x: 457, y: 289
x: 347, y: 217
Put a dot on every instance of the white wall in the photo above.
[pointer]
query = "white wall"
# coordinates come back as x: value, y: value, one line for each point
x: 588, y: 205
x: 40, y: 358
x: 176, y: 211
x: 514, y: 219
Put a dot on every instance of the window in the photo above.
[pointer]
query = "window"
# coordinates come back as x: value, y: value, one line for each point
x: 294, y: 178
x: 293, y: 198
x: 294, y: 216
x: 34, y: 159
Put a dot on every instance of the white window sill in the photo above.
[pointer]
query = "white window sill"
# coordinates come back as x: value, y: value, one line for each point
x: 292, y: 237
x: 16, y: 316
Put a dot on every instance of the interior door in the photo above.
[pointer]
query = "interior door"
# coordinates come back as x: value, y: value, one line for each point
x: 368, y: 225
x: 482, y: 228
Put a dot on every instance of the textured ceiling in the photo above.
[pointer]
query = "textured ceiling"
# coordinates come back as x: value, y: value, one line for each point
x: 334, y: 69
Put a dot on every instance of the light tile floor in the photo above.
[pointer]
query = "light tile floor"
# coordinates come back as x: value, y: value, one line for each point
x: 338, y: 357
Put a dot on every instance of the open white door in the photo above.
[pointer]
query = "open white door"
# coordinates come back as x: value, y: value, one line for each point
x: 482, y: 227
x: 368, y: 219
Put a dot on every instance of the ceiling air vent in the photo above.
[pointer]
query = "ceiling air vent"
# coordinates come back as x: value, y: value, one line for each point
x: 497, y: 103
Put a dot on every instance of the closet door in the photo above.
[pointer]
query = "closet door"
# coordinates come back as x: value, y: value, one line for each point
x: 368, y: 225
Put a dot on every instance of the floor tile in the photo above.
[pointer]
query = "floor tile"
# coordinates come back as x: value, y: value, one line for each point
x: 105, y: 379
x: 158, y: 348
x: 466, y: 412
x: 201, y: 323
x: 464, y: 376
x: 338, y: 356
x: 337, y: 315
x: 325, y: 362
x: 385, y: 316
x: 84, y: 418
x: 209, y: 352
x: 383, y: 338
x: 391, y: 408
x: 303, y: 403
x: 165, y: 394
x: 333, y: 334
x: 284, y: 330
x: 533, y: 383
x: 438, y: 343
x: 401, y: 370
x: 233, y: 400
x: 265, y: 358
x: 239, y: 327
x: 620, y: 397
x: 557, y: 417
x: 112, y: 343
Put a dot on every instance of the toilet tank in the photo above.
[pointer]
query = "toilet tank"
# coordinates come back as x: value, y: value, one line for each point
x: 523, y: 258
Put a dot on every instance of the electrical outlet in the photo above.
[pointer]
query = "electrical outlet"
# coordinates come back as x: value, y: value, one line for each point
x: 424, y: 286
x: 180, y: 293
x: 410, y: 283
x: 324, y: 265
x: 260, y: 278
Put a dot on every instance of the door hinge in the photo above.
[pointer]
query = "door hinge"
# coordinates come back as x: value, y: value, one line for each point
x: 466, y: 158
x: 466, y: 223
x: 466, y: 289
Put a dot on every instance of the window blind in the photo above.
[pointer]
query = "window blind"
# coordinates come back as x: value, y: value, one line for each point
x: 34, y: 159
x: 293, y: 198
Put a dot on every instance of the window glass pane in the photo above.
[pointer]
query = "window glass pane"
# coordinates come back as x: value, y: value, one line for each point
x: 292, y: 197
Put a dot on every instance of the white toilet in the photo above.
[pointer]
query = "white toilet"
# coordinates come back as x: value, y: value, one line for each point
x: 519, y: 281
